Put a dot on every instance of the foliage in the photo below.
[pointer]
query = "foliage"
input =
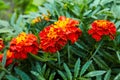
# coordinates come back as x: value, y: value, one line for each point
x: 86, y: 59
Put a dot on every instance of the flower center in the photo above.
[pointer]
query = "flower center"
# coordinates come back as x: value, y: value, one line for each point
x: 102, y: 23
x: 21, y: 37
x: 61, y: 24
x: 52, y: 34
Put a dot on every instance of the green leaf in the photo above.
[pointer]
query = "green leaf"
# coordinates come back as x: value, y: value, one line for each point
x: 98, y: 77
x: 103, y: 2
x: 12, y: 21
x: 4, y: 24
x: 22, y: 74
x: 10, y: 77
x: 58, y: 57
x: 47, y: 73
x: 95, y: 3
x: 52, y: 76
x: 116, y: 11
x: 38, y: 66
x: 69, y: 74
x: 39, y: 77
x: 5, y: 30
x: 38, y: 2
x: 95, y: 73
x: 80, y: 46
x: 2, y: 74
x: 100, y: 62
x: 117, y: 77
x: 35, y: 73
x: 107, y: 75
x: 43, y: 69
x: 85, y: 67
x: 4, y: 59
x: 62, y: 75
x: 77, y: 68
x: 118, y: 55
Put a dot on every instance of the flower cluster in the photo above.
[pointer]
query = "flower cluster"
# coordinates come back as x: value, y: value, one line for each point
x: 24, y: 44
x: 9, y: 57
x: 102, y: 28
x: 55, y: 36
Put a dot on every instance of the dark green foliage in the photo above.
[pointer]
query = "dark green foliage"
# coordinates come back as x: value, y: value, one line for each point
x: 84, y: 60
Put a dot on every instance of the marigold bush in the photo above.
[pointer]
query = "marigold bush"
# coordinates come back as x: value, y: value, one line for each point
x: 63, y: 40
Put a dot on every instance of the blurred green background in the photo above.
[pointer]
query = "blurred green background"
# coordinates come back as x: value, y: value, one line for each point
x: 7, y: 7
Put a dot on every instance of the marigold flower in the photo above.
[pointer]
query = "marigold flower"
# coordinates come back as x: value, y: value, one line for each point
x: 24, y: 44
x: 52, y: 39
x: 55, y: 36
x: 1, y: 44
x: 9, y: 57
x: 68, y: 25
x: 102, y: 28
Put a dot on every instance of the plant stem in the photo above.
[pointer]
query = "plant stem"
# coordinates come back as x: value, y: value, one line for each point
x: 58, y: 55
x: 68, y: 53
x: 96, y: 50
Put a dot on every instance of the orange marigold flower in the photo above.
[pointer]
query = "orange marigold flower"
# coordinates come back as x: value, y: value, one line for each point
x: 101, y: 28
x: 24, y: 44
x: 9, y: 57
x: 55, y: 36
x: 1, y: 44
x: 68, y: 25
x: 52, y: 39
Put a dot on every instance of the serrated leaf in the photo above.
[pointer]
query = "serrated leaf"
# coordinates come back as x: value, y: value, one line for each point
x: 4, y: 59
x: 95, y: 3
x: 80, y: 46
x: 107, y: 75
x: 19, y: 20
x: 103, y: 2
x: 4, y: 24
x: 95, y: 73
x: 117, y: 77
x: 2, y: 75
x: 77, y: 68
x: 5, y: 30
x: 116, y: 11
x: 47, y: 73
x: 118, y: 55
x: 101, y: 63
x: 52, y: 76
x: 85, y: 67
x: 10, y: 77
x: 43, y: 69
x: 39, y: 77
x: 69, y: 74
x: 12, y: 20
x: 22, y: 74
x: 62, y: 75
x: 35, y: 73
x: 107, y: 56
x: 38, y: 66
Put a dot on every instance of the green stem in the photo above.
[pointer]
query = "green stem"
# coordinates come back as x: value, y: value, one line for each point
x: 3, y: 69
x: 38, y: 58
x: 58, y: 55
x: 96, y: 50
x: 68, y: 54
